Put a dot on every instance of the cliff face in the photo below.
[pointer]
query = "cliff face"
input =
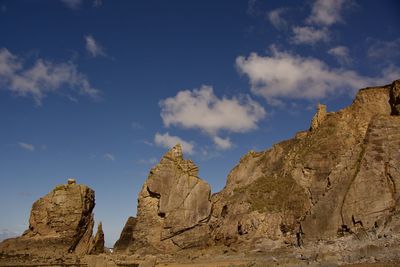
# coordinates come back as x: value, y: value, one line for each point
x: 340, y: 177
x: 60, y: 223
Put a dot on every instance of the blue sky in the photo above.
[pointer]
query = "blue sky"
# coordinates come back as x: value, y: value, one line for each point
x: 99, y: 90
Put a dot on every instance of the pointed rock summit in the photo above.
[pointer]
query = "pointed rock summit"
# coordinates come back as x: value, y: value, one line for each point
x: 173, y: 207
x: 98, y: 241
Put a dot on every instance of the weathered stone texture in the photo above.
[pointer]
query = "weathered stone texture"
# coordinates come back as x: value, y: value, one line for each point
x: 126, y: 238
x: 336, y: 178
x: 60, y: 222
x: 97, y: 246
x: 173, y: 200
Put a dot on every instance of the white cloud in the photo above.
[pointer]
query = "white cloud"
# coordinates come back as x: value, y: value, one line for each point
x: 222, y: 143
x: 326, y: 12
x: 387, y: 50
x: 41, y: 78
x: 275, y: 17
x: 341, y: 53
x: 169, y: 141
x: 309, y: 35
x: 27, y: 146
x: 109, y: 157
x: 73, y: 4
x: 202, y: 109
x: 284, y: 75
x: 93, y: 47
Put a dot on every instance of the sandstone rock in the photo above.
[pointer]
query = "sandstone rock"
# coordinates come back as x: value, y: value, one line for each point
x: 319, y: 117
x: 61, y: 222
x: 172, y: 201
x: 339, y: 177
x: 97, y: 246
x: 126, y: 238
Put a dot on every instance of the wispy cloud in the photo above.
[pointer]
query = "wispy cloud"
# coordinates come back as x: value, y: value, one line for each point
x: 169, y: 141
x: 276, y: 19
x: 309, y: 35
x: 42, y: 78
x: 202, y: 109
x: 384, y: 50
x: 72, y: 4
x: 326, y: 12
x: 26, y: 146
x: 342, y: 54
x: 284, y: 75
x: 222, y: 143
x: 93, y: 47
x: 109, y: 157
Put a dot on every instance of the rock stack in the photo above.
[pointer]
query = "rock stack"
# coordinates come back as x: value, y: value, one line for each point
x: 174, y: 207
x: 60, y: 225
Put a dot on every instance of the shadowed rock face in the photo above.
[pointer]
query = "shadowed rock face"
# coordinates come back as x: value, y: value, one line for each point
x: 60, y: 222
x: 126, y: 238
x: 97, y: 246
x: 173, y: 201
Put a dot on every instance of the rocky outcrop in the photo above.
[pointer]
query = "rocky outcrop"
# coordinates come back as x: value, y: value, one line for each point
x: 341, y: 177
x: 60, y: 223
x: 174, y: 206
x: 97, y: 246
x: 126, y: 238
x: 319, y: 117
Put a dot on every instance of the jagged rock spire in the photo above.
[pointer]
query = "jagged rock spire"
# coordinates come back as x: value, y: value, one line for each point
x: 175, y: 152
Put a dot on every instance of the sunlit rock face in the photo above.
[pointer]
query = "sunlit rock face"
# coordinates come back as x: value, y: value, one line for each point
x: 174, y: 206
x: 338, y: 178
x: 60, y: 223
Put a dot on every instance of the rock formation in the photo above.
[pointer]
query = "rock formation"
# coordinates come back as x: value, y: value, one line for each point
x: 97, y: 246
x: 334, y: 187
x: 126, y: 238
x: 174, y: 206
x: 60, y: 223
x: 339, y: 178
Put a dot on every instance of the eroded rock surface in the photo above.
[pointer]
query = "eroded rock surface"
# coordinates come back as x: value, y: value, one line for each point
x: 173, y: 202
x: 97, y: 246
x: 60, y: 223
x: 126, y: 238
x: 337, y: 179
